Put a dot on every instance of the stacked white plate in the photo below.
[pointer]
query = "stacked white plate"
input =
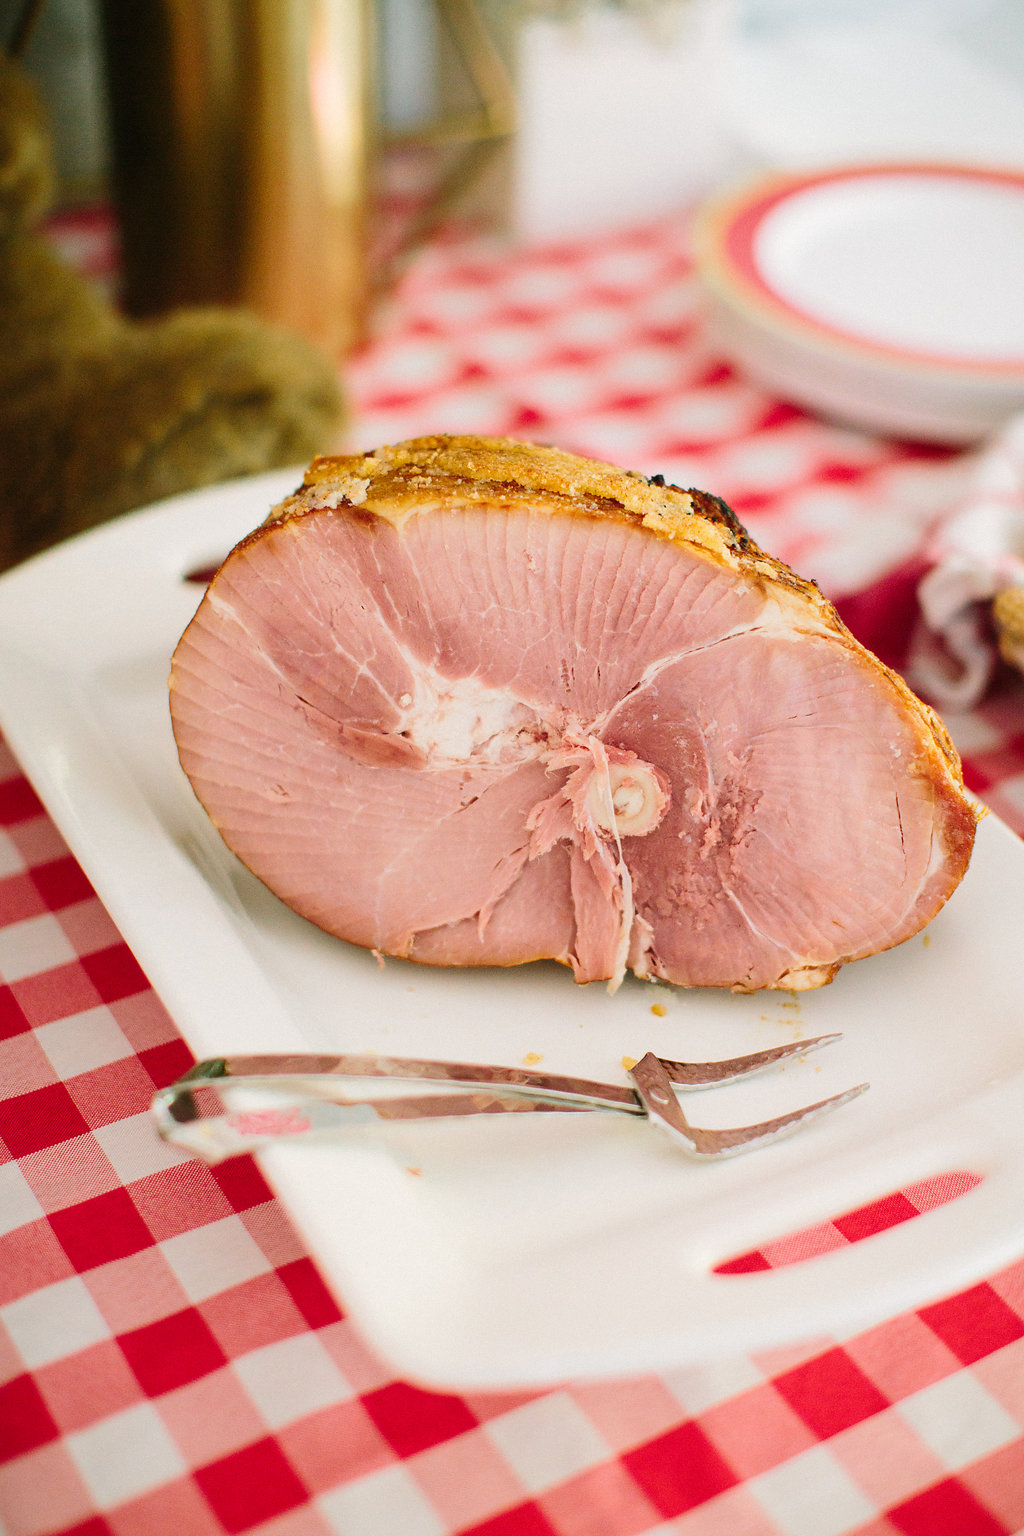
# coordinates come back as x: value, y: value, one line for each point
x: 887, y: 296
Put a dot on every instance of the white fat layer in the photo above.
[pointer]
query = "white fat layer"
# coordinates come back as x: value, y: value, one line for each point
x: 462, y: 719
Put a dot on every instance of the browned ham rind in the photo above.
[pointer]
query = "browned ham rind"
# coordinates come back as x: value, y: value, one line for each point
x: 473, y: 702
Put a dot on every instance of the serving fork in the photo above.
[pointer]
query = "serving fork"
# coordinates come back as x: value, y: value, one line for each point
x: 196, y: 1114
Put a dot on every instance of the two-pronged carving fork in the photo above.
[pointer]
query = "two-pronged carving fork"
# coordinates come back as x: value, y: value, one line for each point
x: 302, y: 1097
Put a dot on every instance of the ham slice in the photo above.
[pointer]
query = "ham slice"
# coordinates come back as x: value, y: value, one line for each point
x: 473, y: 702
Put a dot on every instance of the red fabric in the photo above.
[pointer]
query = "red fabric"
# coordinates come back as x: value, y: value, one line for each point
x: 884, y: 615
x: 679, y: 1470
x: 830, y: 1393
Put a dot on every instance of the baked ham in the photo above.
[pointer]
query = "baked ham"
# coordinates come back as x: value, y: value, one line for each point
x: 473, y: 702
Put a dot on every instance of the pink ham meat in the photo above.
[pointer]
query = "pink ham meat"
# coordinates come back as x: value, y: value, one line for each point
x: 471, y: 702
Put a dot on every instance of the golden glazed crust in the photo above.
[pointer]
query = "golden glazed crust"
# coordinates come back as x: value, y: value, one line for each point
x: 438, y: 473
x: 395, y: 481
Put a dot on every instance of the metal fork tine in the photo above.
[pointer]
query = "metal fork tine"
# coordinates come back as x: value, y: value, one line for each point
x: 704, y: 1074
x: 654, y: 1085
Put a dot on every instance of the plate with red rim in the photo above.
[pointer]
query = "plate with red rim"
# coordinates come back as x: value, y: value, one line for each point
x: 516, y: 1251
x: 887, y: 296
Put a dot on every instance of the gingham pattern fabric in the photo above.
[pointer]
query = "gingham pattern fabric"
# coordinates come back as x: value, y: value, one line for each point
x: 171, y: 1360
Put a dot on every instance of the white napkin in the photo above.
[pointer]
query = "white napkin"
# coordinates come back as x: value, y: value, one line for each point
x: 977, y: 553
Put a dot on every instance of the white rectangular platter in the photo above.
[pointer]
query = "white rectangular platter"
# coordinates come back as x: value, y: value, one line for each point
x: 515, y: 1251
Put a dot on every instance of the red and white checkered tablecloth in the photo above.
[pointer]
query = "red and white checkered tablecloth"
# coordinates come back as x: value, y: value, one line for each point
x: 172, y: 1362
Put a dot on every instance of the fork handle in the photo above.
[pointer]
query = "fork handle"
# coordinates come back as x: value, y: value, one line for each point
x: 519, y: 1080
x: 226, y: 1132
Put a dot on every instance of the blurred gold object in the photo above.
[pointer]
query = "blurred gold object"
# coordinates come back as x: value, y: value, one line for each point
x: 241, y: 157
x: 244, y: 152
x: 1008, y: 614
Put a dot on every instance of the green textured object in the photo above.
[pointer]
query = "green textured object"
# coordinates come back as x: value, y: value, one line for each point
x: 99, y: 414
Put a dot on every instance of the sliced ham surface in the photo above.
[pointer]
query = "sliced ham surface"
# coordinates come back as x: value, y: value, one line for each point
x: 473, y: 702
